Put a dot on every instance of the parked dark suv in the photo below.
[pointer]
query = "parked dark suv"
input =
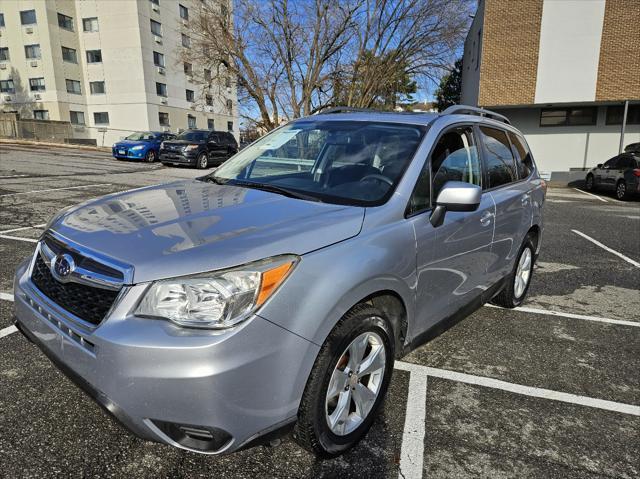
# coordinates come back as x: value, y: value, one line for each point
x: 199, y: 148
x: 620, y: 174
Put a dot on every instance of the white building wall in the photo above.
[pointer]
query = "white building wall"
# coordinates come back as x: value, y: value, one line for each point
x: 471, y: 62
x: 570, y: 36
x: 558, y: 149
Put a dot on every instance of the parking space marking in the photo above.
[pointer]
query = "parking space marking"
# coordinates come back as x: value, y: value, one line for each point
x: 519, y: 388
x: 55, y: 189
x: 19, y: 238
x: 7, y: 331
x: 591, y: 194
x: 549, y: 312
x: 6, y: 297
x: 412, y: 452
x: 606, y: 248
x: 12, y: 176
x: 22, y: 228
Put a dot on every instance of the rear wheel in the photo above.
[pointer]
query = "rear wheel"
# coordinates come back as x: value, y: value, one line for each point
x: 589, y: 183
x: 202, y: 162
x: 621, y: 190
x: 150, y: 157
x: 347, y: 384
x: 518, y: 282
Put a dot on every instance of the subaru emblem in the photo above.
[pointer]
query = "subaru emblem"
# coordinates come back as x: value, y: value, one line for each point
x: 62, y: 266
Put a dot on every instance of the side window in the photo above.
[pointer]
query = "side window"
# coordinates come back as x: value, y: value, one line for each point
x: 454, y: 158
x: 522, y: 154
x: 499, y: 159
x: 612, y: 163
x: 214, y: 138
x: 626, y: 161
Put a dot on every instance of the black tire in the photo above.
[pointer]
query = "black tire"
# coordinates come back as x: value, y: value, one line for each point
x: 150, y: 157
x: 202, y: 162
x: 622, y: 192
x: 507, y: 298
x: 590, y: 183
x: 312, y: 430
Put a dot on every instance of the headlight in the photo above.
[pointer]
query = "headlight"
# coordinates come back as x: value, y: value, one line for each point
x: 162, y: 145
x: 190, y: 147
x: 219, y: 299
x: 139, y: 147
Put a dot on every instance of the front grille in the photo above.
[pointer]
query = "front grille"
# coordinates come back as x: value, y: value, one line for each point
x: 86, y: 302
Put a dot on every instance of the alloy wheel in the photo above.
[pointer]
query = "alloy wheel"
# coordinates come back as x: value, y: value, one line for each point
x: 355, y: 383
x: 523, y: 273
x: 621, y: 190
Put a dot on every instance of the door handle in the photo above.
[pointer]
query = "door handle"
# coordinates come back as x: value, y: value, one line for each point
x: 485, y: 219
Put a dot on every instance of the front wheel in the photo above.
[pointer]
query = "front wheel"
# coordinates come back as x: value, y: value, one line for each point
x: 347, y: 384
x: 621, y: 190
x: 519, y: 280
x: 589, y: 183
x: 202, y: 162
x: 150, y: 157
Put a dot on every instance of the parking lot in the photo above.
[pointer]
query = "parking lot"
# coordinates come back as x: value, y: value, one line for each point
x: 551, y: 389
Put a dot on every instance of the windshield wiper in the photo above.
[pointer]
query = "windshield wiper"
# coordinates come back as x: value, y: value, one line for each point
x: 272, y: 189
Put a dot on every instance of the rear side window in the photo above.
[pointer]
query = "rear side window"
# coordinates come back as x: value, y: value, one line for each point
x: 501, y: 168
x: 524, y: 162
x: 627, y: 162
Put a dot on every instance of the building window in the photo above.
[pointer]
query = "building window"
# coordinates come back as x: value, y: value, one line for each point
x: 207, y: 75
x: 188, y: 69
x: 73, y: 86
x: 41, y: 114
x: 32, y: 51
x: 578, y: 116
x: 65, y: 22
x: 76, y: 117
x: 210, y: 124
x: 208, y: 100
x: 230, y: 105
x: 191, y: 121
x: 156, y: 28
x: 4, y: 53
x: 229, y: 126
x: 163, y: 118
x: 184, y: 12
x: 161, y: 89
x: 1, y: 19
x: 158, y: 59
x: 36, y: 84
x: 101, y: 118
x: 28, y: 17
x: 69, y: 55
x: 186, y: 41
x: 97, y: 87
x: 90, y: 24
x: 6, y: 86
x: 190, y: 95
x: 616, y: 112
x: 94, y: 56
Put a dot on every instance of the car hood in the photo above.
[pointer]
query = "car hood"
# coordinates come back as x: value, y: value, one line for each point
x: 182, y: 142
x: 194, y: 226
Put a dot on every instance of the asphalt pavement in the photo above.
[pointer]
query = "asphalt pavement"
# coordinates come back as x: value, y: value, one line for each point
x: 550, y: 389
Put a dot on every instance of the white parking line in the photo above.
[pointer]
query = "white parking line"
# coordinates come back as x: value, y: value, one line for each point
x: 23, y: 228
x: 12, y: 176
x: 519, y: 389
x: 606, y: 248
x: 549, y: 312
x: 7, y: 331
x: 55, y: 189
x: 6, y: 297
x: 412, y: 453
x: 591, y: 194
x: 19, y: 238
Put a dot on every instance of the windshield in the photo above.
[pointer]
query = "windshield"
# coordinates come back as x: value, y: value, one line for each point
x: 346, y: 162
x: 193, y: 135
x: 141, y: 136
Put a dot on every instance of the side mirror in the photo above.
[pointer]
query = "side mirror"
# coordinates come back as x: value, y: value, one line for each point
x: 455, y: 196
x: 599, y: 165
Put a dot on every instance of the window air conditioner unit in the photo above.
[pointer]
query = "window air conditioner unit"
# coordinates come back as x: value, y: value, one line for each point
x: 185, y: 22
x: 3, y: 66
x: 155, y: 7
x: 166, y: 128
x: 7, y: 98
x: 37, y: 96
x: 228, y: 89
x: 161, y: 70
x: 163, y: 101
x: 157, y: 39
x: 34, y: 64
x: 29, y: 29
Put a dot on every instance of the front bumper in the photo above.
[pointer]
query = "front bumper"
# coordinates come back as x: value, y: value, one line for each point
x: 155, y: 377
x: 177, y: 157
x: 128, y: 153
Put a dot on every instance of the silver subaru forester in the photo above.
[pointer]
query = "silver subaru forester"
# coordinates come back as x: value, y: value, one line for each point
x: 275, y: 293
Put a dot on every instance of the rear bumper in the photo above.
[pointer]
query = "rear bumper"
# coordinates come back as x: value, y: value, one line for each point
x: 155, y: 378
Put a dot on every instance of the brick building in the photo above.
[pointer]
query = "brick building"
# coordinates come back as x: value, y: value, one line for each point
x: 563, y: 71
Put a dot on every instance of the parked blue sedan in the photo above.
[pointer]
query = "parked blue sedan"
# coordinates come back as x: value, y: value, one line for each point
x: 141, y: 145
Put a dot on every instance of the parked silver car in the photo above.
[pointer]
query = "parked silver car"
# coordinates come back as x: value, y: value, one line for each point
x: 276, y: 292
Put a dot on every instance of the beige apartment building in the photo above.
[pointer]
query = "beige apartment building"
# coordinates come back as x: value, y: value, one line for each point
x: 563, y: 71
x: 110, y: 67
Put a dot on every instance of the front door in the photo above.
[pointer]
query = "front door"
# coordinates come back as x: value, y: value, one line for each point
x: 452, y: 259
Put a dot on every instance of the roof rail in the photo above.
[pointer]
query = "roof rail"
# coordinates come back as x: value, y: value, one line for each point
x: 472, y: 110
x: 342, y: 109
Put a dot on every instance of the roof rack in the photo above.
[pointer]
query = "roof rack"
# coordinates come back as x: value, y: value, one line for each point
x: 342, y: 109
x: 472, y: 110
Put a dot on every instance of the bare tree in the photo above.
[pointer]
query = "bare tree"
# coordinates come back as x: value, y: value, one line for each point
x: 291, y: 58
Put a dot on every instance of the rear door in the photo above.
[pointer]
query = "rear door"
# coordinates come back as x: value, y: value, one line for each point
x: 215, y: 147
x: 607, y: 174
x: 512, y: 198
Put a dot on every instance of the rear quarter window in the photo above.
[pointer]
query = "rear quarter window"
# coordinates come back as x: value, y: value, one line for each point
x: 499, y: 161
x: 524, y: 162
